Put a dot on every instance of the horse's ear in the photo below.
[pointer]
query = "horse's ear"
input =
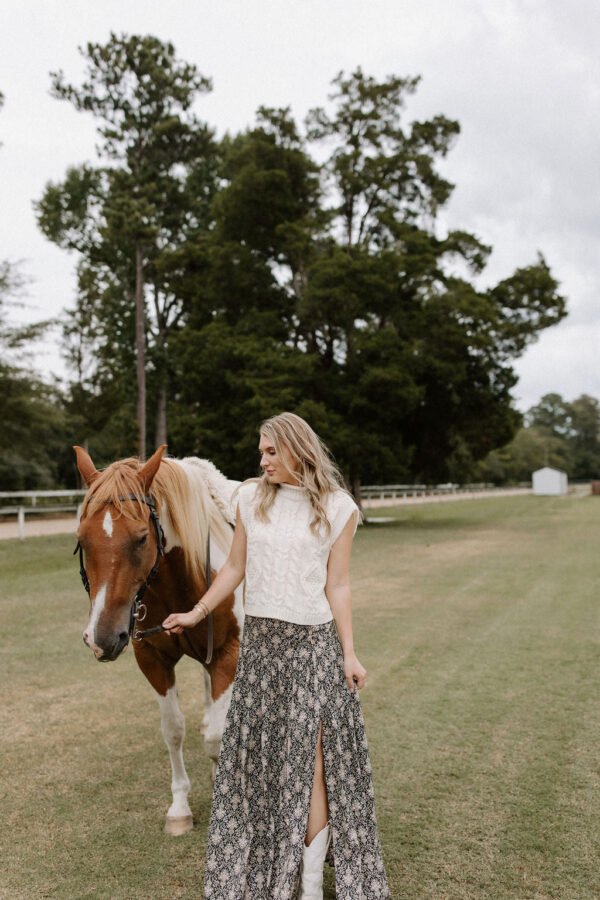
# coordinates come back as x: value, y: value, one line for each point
x: 87, y: 469
x: 150, y: 468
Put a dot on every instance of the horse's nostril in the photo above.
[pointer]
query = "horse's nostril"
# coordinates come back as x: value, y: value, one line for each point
x: 122, y: 642
x: 85, y: 640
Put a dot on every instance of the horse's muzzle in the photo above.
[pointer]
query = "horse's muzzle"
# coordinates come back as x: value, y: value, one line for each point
x: 104, y: 653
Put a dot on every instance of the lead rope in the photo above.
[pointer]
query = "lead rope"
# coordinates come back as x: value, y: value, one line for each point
x: 209, y: 624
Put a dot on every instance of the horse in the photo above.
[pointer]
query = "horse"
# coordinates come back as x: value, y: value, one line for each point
x: 147, y: 528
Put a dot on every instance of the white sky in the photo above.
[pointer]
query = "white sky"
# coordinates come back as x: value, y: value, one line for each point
x: 521, y: 76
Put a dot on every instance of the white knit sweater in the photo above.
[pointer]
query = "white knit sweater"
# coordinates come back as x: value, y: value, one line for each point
x: 286, y: 564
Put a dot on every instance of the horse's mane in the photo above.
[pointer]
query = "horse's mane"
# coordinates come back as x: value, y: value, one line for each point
x: 184, y: 496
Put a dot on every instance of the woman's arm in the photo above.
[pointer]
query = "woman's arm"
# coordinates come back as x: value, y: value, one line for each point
x: 337, y: 590
x: 227, y: 579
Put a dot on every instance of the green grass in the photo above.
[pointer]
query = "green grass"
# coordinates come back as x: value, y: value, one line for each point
x: 478, y: 623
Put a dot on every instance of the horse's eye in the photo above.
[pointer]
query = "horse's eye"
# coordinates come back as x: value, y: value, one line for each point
x: 142, y: 540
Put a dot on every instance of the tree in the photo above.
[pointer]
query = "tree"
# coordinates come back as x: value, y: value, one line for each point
x: 530, y: 449
x: 32, y: 415
x: 409, y: 364
x: 235, y: 359
x: 385, y: 277
x: 383, y: 174
x: 324, y: 287
x: 585, y: 437
x: 558, y: 433
x: 32, y: 437
x: 129, y: 218
x: 551, y: 419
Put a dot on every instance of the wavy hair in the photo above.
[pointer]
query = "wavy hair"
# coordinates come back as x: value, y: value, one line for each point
x: 314, y: 467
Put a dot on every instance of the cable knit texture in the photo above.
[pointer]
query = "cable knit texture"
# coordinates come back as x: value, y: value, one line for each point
x: 286, y: 564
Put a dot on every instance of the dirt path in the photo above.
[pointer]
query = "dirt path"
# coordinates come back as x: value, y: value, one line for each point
x: 36, y: 527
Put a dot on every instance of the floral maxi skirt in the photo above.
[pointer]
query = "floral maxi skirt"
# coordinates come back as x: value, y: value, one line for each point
x: 288, y: 677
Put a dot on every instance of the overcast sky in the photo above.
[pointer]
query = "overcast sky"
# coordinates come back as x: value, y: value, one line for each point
x: 521, y: 76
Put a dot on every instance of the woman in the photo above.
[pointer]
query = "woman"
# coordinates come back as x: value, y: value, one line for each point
x: 293, y: 785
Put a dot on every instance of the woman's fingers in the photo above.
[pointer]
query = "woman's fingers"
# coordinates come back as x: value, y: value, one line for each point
x: 356, y: 680
x: 176, y: 622
x: 354, y: 672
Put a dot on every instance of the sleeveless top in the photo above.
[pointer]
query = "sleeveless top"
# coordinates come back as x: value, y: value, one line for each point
x: 286, y: 563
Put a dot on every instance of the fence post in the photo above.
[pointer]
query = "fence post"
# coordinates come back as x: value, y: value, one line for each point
x: 21, y: 520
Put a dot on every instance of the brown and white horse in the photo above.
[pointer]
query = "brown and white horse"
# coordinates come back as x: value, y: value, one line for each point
x: 120, y: 547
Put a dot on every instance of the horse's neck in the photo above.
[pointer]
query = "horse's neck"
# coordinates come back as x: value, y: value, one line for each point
x: 219, y: 487
x: 174, y: 589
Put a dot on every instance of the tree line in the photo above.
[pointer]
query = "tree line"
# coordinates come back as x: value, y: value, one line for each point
x: 556, y: 432
x: 294, y: 265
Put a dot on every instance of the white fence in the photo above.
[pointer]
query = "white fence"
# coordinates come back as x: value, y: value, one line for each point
x: 401, y: 491
x: 57, y: 503
x: 38, y: 502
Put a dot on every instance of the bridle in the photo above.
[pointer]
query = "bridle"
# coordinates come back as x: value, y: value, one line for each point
x: 137, y: 605
x: 139, y: 610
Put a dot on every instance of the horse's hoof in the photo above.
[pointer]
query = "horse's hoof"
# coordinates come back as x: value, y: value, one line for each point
x: 176, y: 825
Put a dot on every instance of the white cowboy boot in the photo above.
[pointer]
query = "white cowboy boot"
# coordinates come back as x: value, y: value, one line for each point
x: 311, y: 869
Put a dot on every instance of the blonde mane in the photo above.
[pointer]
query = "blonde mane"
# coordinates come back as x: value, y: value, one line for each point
x: 182, y: 496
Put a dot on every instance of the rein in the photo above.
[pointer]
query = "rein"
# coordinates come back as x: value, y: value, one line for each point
x: 136, y: 615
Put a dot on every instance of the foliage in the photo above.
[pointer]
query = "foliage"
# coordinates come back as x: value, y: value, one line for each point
x: 412, y: 362
x: 131, y: 218
x: 287, y: 266
x: 33, y: 434
x: 585, y: 437
x: 558, y: 433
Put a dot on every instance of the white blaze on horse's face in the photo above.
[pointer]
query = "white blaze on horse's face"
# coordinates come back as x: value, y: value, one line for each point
x: 90, y: 631
x: 119, y: 553
x: 107, y: 523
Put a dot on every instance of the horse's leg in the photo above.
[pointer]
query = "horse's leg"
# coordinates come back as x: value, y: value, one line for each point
x: 219, y: 674
x: 161, y: 675
x: 179, y: 815
x: 211, y: 746
x: 218, y: 696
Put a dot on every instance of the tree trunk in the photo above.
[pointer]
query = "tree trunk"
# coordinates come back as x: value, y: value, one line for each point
x: 140, y: 347
x: 161, y: 416
x: 160, y: 432
x: 356, y: 491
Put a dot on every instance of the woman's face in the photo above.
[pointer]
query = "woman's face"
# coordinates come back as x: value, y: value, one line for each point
x: 278, y: 469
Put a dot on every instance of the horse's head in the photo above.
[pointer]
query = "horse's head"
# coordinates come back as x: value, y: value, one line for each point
x: 119, y: 543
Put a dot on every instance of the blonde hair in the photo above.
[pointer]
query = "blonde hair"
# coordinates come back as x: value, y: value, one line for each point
x: 315, y: 469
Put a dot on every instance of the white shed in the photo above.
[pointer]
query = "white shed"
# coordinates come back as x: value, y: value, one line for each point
x: 550, y: 481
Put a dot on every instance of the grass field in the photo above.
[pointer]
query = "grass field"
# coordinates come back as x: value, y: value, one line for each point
x: 478, y: 623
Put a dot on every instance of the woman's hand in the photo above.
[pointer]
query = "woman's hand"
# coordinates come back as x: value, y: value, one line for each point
x: 176, y: 622
x: 354, y: 673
